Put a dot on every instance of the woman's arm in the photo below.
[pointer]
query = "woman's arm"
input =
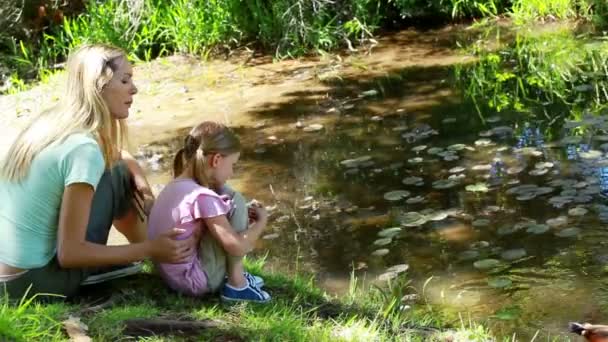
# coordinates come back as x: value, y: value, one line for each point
x: 74, y: 251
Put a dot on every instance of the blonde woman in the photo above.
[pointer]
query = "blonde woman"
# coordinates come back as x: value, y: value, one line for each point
x: 65, y: 181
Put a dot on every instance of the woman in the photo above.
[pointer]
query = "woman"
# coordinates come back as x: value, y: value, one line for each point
x: 65, y: 181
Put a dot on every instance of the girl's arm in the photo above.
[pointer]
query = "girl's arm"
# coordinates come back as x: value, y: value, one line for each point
x: 74, y: 251
x: 236, y: 244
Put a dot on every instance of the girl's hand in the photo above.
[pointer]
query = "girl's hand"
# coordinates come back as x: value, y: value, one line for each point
x: 258, y: 214
x: 166, y: 249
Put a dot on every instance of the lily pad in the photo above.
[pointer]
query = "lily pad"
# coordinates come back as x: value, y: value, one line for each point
x: 481, y: 223
x: 412, y: 219
x: 514, y: 170
x: 572, y: 140
x: 398, y: 268
x: 313, y: 128
x: 468, y: 255
x: 448, y: 120
x: 568, y: 232
x: 593, y: 154
x: 479, y: 187
x: 380, y: 252
x: 445, y: 184
x: 396, y: 195
x: 578, y: 211
x: 486, y: 264
x: 434, y: 150
x: 457, y: 147
x: 389, y: 232
x: 413, y: 181
x: 457, y: 169
x: 537, y: 228
x: 383, y: 241
x: 437, y: 216
x: 415, y: 200
x: 483, y: 142
x: 513, y: 254
x: 419, y: 148
x: 356, y: 162
x: 538, y: 172
x: 557, y: 221
x: 506, y: 230
x: 543, y: 165
x: 499, y: 282
x: 416, y: 160
x: 493, y: 119
x: 481, y: 167
x: 368, y: 93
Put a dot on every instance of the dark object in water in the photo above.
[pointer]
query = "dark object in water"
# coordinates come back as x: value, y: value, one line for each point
x: 593, y: 333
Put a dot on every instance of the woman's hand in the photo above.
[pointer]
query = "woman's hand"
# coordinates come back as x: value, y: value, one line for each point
x: 166, y: 249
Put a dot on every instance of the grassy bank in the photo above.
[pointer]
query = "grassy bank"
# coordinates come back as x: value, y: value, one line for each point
x: 300, y: 311
x: 37, y: 39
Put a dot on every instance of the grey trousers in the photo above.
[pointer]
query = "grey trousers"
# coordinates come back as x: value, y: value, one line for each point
x: 112, y: 199
x: 211, y: 253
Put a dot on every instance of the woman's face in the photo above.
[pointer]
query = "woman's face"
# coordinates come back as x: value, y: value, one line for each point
x: 118, y: 93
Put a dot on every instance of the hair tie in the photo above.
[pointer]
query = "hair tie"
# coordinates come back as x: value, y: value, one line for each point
x: 191, y: 144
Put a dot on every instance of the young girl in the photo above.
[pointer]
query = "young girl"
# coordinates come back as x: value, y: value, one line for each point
x: 199, y: 201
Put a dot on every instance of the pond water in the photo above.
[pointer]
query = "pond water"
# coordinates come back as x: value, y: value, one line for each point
x: 502, y: 219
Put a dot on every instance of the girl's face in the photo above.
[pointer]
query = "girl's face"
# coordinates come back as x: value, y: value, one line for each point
x: 118, y: 93
x: 222, y: 167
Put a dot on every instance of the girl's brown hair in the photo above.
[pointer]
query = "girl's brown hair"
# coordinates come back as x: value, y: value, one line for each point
x: 206, y: 139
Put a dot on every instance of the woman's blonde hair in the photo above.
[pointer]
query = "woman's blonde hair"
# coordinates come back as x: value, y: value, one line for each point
x: 206, y: 139
x: 82, y: 109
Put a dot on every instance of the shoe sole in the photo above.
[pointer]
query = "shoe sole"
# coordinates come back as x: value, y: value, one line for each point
x: 103, y: 277
x: 234, y: 300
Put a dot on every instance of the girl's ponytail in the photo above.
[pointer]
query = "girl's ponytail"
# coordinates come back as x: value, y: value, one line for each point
x: 178, y: 163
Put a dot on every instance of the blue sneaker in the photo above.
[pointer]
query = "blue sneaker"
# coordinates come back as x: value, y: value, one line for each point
x: 254, y: 280
x: 247, y: 294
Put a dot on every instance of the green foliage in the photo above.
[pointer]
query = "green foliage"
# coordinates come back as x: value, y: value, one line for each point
x: 450, y: 8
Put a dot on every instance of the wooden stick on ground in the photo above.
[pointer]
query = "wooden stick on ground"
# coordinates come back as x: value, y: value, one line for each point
x: 158, y: 326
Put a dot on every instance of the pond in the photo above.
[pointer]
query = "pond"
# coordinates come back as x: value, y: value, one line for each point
x: 502, y: 219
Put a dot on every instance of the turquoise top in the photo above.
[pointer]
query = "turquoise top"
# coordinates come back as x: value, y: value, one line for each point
x: 29, y: 210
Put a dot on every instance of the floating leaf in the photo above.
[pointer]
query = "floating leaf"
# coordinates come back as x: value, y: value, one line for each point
x: 445, y: 184
x: 313, y: 128
x: 396, y: 195
x: 593, y: 154
x: 468, y: 255
x: 572, y: 140
x: 499, y: 282
x: 356, y: 162
x: 398, y: 268
x: 380, y: 252
x: 478, y: 187
x: 537, y: 228
x: 457, y: 169
x: 493, y: 119
x: 538, y: 172
x: 416, y: 160
x: 448, y: 120
x: 434, y: 150
x: 568, y: 232
x: 482, y: 167
x: 270, y: 236
x: 419, y: 148
x: 369, y: 93
x: 543, y: 165
x: 415, y: 200
x: 457, y: 147
x: 481, y: 223
x: 514, y: 170
x: 513, y: 254
x: 389, y: 232
x: 483, y: 142
x: 412, y: 219
x: 383, y: 241
x: 558, y: 221
x: 578, y: 211
x: 413, y: 181
x: 437, y: 216
x: 508, y: 314
x: 486, y: 264
x: 480, y: 244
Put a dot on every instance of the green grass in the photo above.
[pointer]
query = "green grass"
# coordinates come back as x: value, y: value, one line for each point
x: 299, y: 311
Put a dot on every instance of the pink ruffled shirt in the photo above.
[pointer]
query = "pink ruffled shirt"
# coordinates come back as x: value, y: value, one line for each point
x: 183, y: 204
